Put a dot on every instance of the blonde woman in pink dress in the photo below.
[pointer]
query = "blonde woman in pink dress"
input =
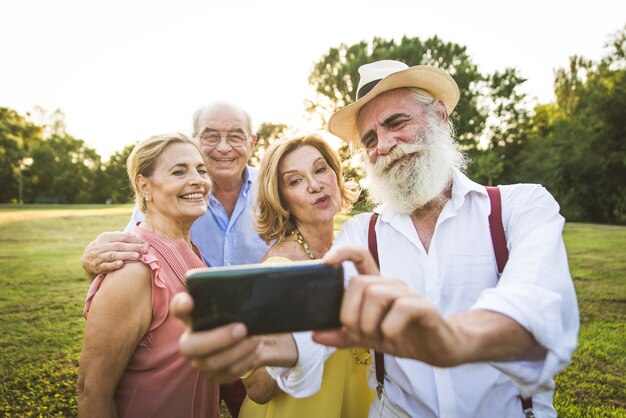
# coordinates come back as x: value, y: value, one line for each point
x: 130, y: 365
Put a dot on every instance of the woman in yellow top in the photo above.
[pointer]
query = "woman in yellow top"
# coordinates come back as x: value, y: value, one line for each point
x: 301, y: 189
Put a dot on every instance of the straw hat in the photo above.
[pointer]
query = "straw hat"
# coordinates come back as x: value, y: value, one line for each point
x: 381, y: 76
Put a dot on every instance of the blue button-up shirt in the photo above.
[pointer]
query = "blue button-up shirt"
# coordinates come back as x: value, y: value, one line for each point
x: 226, y: 241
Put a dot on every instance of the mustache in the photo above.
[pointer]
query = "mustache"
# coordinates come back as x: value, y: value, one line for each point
x: 384, y: 162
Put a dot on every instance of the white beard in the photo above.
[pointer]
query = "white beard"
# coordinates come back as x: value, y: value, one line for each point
x: 421, y: 176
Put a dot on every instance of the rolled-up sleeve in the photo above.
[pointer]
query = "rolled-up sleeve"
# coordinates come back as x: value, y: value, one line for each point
x: 305, y: 378
x: 536, y: 290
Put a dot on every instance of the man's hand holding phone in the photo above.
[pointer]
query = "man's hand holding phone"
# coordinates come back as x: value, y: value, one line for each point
x: 225, y: 353
x: 221, y: 354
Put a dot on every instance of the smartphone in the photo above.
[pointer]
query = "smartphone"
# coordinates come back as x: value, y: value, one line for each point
x: 267, y: 298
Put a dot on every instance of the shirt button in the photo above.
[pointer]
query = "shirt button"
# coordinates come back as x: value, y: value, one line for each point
x: 439, y: 370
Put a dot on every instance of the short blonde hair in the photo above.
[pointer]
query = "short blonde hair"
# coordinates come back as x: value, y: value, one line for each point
x: 143, y: 158
x: 273, y: 221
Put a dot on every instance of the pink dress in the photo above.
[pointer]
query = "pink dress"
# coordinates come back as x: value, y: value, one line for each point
x: 158, y: 381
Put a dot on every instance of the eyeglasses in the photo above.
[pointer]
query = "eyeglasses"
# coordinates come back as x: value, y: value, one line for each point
x: 235, y: 139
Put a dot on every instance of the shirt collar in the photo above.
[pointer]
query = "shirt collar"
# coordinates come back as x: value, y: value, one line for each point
x: 462, y: 185
x: 247, y: 181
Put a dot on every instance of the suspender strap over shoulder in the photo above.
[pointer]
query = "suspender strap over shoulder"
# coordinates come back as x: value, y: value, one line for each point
x: 379, y: 359
x: 498, y: 239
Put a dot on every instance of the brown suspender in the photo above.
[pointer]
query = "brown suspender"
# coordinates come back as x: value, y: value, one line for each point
x: 379, y: 359
x: 498, y: 240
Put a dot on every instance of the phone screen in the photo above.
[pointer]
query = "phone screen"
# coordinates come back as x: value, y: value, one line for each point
x: 268, y: 299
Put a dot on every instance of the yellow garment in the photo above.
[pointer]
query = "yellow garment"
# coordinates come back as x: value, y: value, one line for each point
x: 276, y: 259
x: 344, y: 392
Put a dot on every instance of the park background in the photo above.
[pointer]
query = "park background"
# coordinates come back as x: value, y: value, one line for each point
x: 81, y: 83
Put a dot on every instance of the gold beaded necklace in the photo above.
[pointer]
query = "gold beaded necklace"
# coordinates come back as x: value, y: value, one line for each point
x: 300, y: 239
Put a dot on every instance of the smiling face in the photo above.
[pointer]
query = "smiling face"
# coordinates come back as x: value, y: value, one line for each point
x: 178, y: 188
x: 309, y: 186
x: 225, y: 161
x: 410, y: 151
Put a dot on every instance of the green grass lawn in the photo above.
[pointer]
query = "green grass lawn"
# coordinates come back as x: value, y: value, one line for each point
x: 594, y: 385
x: 42, y: 289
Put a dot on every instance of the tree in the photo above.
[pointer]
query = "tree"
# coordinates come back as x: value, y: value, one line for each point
x: 488, y: 165
x: 579, y: 149
x: 17, y: 136
x: 505, y: 134
x: 117, y: 185
x: 63, y: 170
x: 266, y: 135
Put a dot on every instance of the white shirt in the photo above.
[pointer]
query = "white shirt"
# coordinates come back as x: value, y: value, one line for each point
x: 459, y: 273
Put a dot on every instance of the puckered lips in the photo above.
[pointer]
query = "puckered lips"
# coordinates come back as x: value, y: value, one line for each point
x: 323, y: 201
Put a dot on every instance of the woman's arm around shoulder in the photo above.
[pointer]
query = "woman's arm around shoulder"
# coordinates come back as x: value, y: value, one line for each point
x: 119, y: 317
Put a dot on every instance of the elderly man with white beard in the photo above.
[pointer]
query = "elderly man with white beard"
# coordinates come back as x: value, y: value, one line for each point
x: 475, y: 314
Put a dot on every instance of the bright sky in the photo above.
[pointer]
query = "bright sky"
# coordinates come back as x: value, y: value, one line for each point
x: 123, y: 70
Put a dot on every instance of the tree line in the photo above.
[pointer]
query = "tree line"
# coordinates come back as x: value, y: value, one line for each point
x: 43, y: 163
x: 574, y: 146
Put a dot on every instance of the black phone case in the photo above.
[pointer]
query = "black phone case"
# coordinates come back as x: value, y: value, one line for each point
x: 267, y: 298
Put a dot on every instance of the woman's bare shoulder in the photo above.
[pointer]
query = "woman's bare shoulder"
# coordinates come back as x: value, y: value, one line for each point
x: 287, y: 249
x: 133, y: 276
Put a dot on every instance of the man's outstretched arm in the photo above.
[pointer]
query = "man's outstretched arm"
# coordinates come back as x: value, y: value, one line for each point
x: 388, y: 316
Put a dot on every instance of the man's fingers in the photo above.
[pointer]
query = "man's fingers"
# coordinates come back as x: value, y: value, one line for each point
x: 360, y: 256
x: 111, y: 256
x: 353, y: 299
x: 237, y: 358
x: 181, y: 306
x: 218, y: 339
x: 110, y: 250
x: 335, y: 338
x: 219, y: 370
x: 365, y: 306
x: 406, y: 310
x: 222, y: 354
x: 378, y: 298
x: 121, y: 247
x: 116, y: 236
x: 108, y: 267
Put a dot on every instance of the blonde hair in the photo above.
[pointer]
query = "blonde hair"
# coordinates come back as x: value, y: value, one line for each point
x: 273, y: 221
x: 143, y: 158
